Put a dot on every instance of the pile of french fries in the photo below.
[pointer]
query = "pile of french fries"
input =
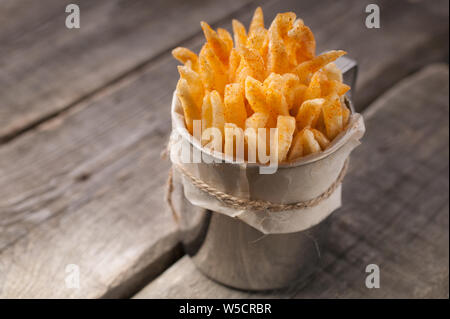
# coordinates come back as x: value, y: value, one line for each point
x: 262, y: 79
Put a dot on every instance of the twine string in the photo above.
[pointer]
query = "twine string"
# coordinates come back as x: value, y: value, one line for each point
x: 246, y: 204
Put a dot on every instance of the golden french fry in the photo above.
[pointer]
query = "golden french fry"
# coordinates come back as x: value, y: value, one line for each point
x: 235, y: 60
x: 257, y: 120
x: 217, y: 110
x: 274, y: 81
x: 277, y: 60
x: 191, y: 112
x: 213, y: 72
x: 310, y: 145
x: 195, y: 84
x: 219, y: 47
x: 257, y: 21
x: 235, y: 111
x: 291, y: 85
x: 305, y: 43
x: 321, y: 138
x: 240, y: 35
x: 206, y: 112
x: 253, y: 138
x: 286, y: 128
x: 299, y: 97
x: 276, y: 102
x: 314, y: 88
x: 282, y: 23
x: 345, y: 114
x: 234, y: 141
x: 303, y: 70
x: 226, y: 37
x: 254, y: 92
x: 330, y: 87
x: 254, y: 61
x: 309, y: 112
x: 296, y: 150
x: 257, y: 41
x: 332, y: 116
x: 185, y: 55
x: 333, y: 72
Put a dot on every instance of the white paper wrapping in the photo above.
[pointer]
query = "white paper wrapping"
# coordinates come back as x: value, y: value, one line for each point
x: 301, y: 180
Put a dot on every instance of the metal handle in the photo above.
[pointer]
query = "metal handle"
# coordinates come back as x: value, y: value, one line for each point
x: 349, y: 70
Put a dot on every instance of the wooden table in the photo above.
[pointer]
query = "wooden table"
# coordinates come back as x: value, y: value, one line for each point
x: 84, y: 116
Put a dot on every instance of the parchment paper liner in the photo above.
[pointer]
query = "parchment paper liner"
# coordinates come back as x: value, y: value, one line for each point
x: 298, y: 181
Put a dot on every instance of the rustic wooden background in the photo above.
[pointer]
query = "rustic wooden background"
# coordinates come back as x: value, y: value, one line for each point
x: 84, y: 115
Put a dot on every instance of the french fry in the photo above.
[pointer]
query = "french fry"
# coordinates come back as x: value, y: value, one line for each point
x: 274, y: 81
x: 345, y: 114
x: 286, y: 128
x: 330, y: 87
x: 226, y: 37
x: 314, y: 88
x: 332, y: 116
x: 253, y: 138
x: 282, y: 23
x: 257, y: 120
x: 257, y: 21
x: 296, y: 150
x: 276, y: 102
x: 309, y: 112
x: 185, y: 55
x: 291, y: 84
x: 310, y: 145
x: 254, y: 92
x: 206, y: 112
x: 257, y: 41
x: 206, y: 117
x: 254, y: 61
x: 214, y: 75
x: 234, y: 110
x: 333, y: 72
x: 320, y: 138
x: 234, y: 141
x: 305, y: 69
x: 278, y: 60
x: 191, y: 112
x: 195, y: 84
x: 240, y: 35
x: 217, y: 114
x: 299, y: 98
x: 233, y: 65
x: 305, y: 43
x: 219, y: 47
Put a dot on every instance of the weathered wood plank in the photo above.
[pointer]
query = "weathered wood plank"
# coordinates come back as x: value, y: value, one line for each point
x: 52, y: 174
x: 395, y: 212
x: 46, y: 68
x: 88, y: 193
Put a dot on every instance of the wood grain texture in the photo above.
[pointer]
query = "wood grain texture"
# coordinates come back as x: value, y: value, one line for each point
x: 395, y: 212
x: 46, y: 68
x: 93, y: 172
x: 100, y: 207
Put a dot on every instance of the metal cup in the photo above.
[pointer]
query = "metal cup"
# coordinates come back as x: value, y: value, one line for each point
x: 233, y: 253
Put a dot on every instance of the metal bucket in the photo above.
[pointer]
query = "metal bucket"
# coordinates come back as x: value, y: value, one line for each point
x: 233, y: 253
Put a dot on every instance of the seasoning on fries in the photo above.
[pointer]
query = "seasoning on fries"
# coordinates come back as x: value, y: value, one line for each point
x: 262, y: 79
